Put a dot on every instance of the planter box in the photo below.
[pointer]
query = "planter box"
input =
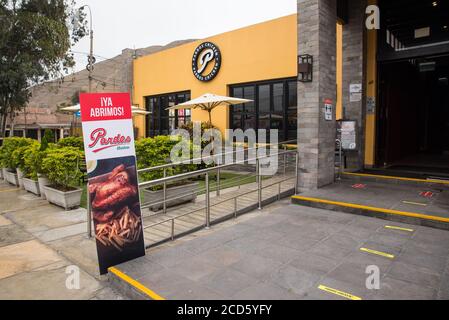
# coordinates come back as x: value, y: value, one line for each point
x: 184, y: 193
x: 67, y: 200
x: 31, y: 186
x: 20, y: 177
x: 43, y: 182
x: 11, y: 177
x: 1, y: 173
x: 4, y: 170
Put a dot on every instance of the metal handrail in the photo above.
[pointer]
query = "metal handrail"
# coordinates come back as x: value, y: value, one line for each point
x: 207, y: 170
x: 200, y: 191
x: 217, y: 203
x: 190, y: 161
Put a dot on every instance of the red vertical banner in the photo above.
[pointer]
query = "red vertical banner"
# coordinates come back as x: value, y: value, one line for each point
x: 112, y: 173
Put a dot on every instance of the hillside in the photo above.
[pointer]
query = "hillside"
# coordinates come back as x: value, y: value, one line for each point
x: 108, y: 76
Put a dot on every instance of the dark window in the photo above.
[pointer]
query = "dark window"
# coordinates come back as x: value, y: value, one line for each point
x: 292, y: 111
x: 32, y: 133
x: 274, y: 107
x: 264, y: 98
x: 162, y: 121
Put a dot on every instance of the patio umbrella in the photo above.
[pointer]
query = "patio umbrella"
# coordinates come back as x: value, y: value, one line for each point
x: 75, y: 108
x: 135, y: 110
x: 208, y: 102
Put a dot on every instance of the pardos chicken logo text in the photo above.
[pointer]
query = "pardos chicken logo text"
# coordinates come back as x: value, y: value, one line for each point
x: 206, y: 61
x: 100, y: 141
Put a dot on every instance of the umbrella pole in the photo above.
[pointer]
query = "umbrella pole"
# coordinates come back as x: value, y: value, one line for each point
x: 210, y: 117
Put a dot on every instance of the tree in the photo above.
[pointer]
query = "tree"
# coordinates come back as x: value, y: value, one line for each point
x: 35, y: 38
x: 75, y: 99
x: 48, y: 138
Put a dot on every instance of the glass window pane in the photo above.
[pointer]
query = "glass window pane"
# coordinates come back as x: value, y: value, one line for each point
x: 277, y: 123
x: 172, y: 124
x: 238, y: 108
x: 163, y: 106
x: 293, y: 94
x: 237, y: 121
x: 292, y: 112
x: 264, y: 121
x: 278, y: 98
x: 164, y: 124
x: 237, y: 92
x: 264, y: 98
x: 155, y: 107
x: 249, y: 121
x: 180, y: 98
x: 248, y: 93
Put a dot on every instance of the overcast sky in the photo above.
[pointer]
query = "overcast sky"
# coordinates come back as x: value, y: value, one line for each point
x: 120, y: 24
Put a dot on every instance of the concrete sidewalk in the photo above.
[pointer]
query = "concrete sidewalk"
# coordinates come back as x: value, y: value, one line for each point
x: 38, y: 241
x: 424, y: 203
x: 297, y: 253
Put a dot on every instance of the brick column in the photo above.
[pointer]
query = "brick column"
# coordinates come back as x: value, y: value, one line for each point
x: 316, y: 136
x: 353, y: 73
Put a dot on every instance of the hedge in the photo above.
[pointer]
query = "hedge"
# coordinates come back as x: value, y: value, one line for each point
x: 62, y: 167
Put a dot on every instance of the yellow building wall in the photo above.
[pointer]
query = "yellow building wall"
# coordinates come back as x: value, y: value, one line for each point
x: 339, y: 71
x: 371, y: 91
x: 259, y: 52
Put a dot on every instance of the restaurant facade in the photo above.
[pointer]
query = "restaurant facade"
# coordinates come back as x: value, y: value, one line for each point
x: 258, y: 62
x: 381, y: 66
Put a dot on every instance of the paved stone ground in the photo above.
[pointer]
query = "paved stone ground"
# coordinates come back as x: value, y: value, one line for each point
x: 37, y: 243
x: 287, y: 253
x: 400, y: 197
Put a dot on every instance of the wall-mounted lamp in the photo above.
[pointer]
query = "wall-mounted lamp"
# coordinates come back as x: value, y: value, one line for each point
x: 305, y: 68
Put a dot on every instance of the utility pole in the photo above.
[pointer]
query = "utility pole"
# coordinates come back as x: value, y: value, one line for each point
x: 91, y: 59
x: 91, y: 54
x: 90, y: 68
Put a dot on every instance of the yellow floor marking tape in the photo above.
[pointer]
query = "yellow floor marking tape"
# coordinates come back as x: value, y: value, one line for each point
x: 395, y: 178
x: 339, y: 293
x: 415, y: 203
x: 9, y: 190
x: 383, y: 210
x: 135, y: 284
x: 399, y: 228
x: 379, y: 253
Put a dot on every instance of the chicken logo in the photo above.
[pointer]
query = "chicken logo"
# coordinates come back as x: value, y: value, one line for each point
x: 99, y: 138
x: 206, y: 54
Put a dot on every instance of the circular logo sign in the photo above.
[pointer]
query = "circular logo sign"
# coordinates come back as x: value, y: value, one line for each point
x: 206, y: 61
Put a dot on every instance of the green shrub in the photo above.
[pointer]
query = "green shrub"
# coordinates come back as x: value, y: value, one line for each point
x: 19, y: 157
x: 75, y: 142
x: 33, y: 158
x: 204, y: 126
x: 48, y: 138
x: 152, y: 152
x: 11, y: 153
x: 62, y: 167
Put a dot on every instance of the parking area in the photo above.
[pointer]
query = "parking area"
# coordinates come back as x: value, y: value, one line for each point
x: 297, y: 252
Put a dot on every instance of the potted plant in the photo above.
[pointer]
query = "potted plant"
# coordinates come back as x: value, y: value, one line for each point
x: 46, y: 143
x: 17, y: 158
x: 75, y: 142
x: 62, y: 167
x: 2, y: 166
x: 152, y: 152
x: 9, y: 161
x: 31, y: 166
